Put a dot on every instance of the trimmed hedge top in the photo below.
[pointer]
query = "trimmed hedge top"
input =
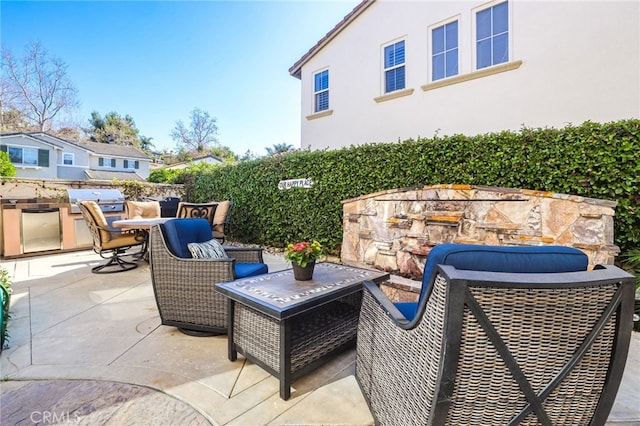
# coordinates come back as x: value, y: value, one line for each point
x: 592, y: 160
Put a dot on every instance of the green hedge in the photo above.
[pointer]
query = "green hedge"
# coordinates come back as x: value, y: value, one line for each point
x: 592, y: 160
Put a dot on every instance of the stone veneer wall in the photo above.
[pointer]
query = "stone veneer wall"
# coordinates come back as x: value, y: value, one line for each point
x: 394, y: 230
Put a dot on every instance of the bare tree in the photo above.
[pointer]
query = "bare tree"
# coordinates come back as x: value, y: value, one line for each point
x: 40, y: 85
x: 200, y: 135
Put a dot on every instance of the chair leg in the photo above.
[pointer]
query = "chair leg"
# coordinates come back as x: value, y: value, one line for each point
x: 115, y: 261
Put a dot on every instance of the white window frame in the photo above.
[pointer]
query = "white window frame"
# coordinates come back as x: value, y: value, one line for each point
x: 108, y: 162
x: 474, y: 14
x: 131, y: 164
x: 318, y: 92
x: 23, y: 149
x: 430, y: 46
x: 394, y: 66
x: 72, y: 157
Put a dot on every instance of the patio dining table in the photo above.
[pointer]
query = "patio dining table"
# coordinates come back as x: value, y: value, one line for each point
x: 141, y: 227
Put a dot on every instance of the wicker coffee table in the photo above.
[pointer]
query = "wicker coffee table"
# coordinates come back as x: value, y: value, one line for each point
x: 290, y: 327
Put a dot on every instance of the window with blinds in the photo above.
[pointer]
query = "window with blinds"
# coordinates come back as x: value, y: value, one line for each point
x: 321, y: 91
x: 394, y: 67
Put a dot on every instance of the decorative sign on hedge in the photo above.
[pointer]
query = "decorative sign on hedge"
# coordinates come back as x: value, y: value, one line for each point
x: 295, y: 183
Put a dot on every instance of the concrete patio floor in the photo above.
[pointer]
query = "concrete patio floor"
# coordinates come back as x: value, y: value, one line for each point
x: 89, y: 349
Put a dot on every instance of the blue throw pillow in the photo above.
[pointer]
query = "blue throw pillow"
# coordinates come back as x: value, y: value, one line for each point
x: 521, y: 259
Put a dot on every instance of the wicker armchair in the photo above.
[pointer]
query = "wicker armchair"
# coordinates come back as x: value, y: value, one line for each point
x: 108, y: 243
x: 507, y: 347
x: 184, y: 286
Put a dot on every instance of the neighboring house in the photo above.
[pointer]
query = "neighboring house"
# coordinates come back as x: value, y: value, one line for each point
x: 40, y: 155
x: 397, y: 70
x: 207, y: 159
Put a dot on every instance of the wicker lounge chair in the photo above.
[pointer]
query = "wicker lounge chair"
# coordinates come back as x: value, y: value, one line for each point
x: 108, y: 243
x: 184, y: 286
x: 541, y: 341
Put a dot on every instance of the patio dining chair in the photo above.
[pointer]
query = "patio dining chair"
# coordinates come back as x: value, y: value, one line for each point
x: 220, y: 220
x: 499, y: 335
x: 108, y: 243
x: 142, y: 209
x: 186, y: 263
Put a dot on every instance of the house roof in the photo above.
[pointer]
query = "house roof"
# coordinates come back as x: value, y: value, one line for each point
x: 113, y: 150
x: 54, y: 142
x: 296, y: 69
x: 108, y: 175
x: 185, y: 164
x: 106, y: 149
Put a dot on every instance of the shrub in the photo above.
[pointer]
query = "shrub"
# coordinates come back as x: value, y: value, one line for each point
x: 591, y: 160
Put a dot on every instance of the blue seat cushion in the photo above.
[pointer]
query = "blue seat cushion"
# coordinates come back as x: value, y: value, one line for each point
x: 244, y: 270
x: 179, y: 233
x: 527, y: 259
x: 408, y: 309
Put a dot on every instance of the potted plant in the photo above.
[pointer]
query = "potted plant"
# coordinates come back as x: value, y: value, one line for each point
x: 5, y: 297
x: 303, y: 256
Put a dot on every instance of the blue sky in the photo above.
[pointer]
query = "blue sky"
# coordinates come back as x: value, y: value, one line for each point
x: 158, y: 60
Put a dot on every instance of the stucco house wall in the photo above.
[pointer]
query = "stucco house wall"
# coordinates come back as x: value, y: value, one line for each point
x: 47, y: 170
x: 78, y: 161
x: 568, y: 62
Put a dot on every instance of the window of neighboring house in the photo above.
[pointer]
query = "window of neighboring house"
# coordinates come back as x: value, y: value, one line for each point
x: 492, y: 35
x: 444, y: 51
x: 129, y: 164
x: 67, y: 159
x: 321, y: 91
x: 394, y: 73
x: 107, y: 162
x: 25, y: 156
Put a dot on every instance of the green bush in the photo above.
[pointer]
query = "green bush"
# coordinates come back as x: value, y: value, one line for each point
x: 7, y: 168
x: 5, y: 298
x: 591, y: 160
x: 166, y: 176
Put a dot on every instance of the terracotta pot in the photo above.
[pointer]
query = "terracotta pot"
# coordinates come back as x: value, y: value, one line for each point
x: 303, y: 274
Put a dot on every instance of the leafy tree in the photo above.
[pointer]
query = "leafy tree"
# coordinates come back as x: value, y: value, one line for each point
x: 225, y: 153
x: 68, y: 133
x: 145, y: 143
x: 37, y: 85
x: 6, y: 166
x: 12, y: 120
x: 249, y: 155
x: 113, y: 129
x: 199, y: 136
x: 279, y: 148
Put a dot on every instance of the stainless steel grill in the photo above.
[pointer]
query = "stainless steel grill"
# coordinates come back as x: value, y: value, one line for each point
x: 109, y: 200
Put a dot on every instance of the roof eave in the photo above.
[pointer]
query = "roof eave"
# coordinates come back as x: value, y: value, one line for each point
x: 296, y: 69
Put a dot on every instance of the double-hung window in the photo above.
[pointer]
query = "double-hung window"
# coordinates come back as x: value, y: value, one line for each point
x: 321, y: 91
x: 444, y: 51
x: 394, y: 62
x: 67, y: 159
x: 492, y: 35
